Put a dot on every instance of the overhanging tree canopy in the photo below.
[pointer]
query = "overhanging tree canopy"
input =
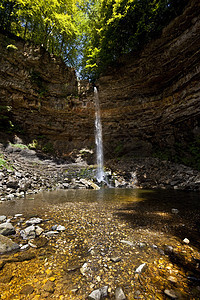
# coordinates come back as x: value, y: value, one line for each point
x: 89, y: 33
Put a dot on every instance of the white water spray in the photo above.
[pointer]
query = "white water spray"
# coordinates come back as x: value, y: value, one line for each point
x: 98, y: 138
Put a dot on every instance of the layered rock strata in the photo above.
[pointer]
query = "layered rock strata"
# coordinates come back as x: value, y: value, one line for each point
x: 153, y: 100
x: 43, y: 97
x: 150, y: 100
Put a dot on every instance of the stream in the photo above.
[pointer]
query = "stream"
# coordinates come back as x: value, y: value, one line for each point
x: 144, y: 241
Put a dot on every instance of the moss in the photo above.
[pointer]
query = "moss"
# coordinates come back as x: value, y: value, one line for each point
x: 11, y: 47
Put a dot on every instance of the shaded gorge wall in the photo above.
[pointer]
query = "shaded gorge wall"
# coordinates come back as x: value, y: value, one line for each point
x: 150, y: 101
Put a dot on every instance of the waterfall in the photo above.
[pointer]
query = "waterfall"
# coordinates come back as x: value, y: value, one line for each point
x: 98, y: 138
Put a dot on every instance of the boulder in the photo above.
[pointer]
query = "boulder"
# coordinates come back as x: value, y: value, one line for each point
x: 7, y: 245
x: 6, y: 229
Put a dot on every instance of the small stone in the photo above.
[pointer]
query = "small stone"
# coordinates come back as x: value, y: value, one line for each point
x: 28, y: 233
x: 175, y: 211
x: 25, y: 247
x: 95, y: 295
x: 27, y: 290
x: 51, y: 233
x: 172, y: 279
x: 115, y: 259
x: 34, y: 220
x: 61, y: 228
x: 170, y: 293
x: 38, y: 230
x: 18, y: 215
x: 6, y: 229
x: 186, y: 241
x: 84, y: 268
x: 141, y: 268
x: 142, y: 245
x: 104, y: 291
x: 127, y: 242
x: 49, y: 286
x: 119, y: 294
x: 2, y: 219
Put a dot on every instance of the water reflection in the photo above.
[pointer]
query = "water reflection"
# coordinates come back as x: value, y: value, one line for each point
x: 153, y: 201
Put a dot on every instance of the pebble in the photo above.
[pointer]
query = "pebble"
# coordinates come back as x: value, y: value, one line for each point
x: 119, y: 294
x: 170, y: 293
x: 186, y: 241
x: 127, y: 242
x: 141, y: 268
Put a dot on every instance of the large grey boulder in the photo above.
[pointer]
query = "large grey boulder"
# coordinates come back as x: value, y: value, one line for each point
x: 7, y: 245
x: 6, y: 229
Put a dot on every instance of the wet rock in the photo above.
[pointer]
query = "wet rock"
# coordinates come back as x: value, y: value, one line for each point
x: 2, y: 219
x: 49, y: 286
x: 172, y: 279
x: 99, y: 293
x: 84, y: 269
x: 127, y: 242
x: 12, y: 184
x: 95, y: 295
x: 168, y: 249
x: 7, y: 245
x: 40, y: 242
x: 38, y: 230
x: 186, y: 241
x: 34, y: 221
x: 2, y: 264
x: 119, y: 294
x: 115, y: 259
x: 142, y: 245
x: 6, y: 278
x: 71, y: 268
x: 28, y: 233
x: 24, y: 247
x: 61, y: 228
x: 171, y: 294
x: 27, y: 290
x: 141, y: 268
x: 6, y: 229
x: 51, y: 233
x: 175, y: 211
x: 26, y: 256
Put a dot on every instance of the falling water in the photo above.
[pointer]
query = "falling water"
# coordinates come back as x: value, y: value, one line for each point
x: 98, y: 139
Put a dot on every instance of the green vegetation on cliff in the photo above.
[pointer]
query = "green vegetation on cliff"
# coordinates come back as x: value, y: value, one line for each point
x: 88, y: 34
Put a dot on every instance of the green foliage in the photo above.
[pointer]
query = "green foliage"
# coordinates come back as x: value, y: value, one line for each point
x: 88, y: 34
x: 123, y: 26
x: 20, y: 146
x: 12, y: 47
x: 4, y: 163
x: 48, y: 148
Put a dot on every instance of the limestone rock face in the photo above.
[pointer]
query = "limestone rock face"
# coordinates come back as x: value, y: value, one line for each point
x: 153, y: 100
x: 41, y: 94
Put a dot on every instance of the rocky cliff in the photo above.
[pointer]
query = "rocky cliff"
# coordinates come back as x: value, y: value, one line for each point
x: 149, y: 101
x: 42, y: 97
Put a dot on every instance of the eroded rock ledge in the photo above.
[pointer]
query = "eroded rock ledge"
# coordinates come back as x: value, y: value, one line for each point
x: 152, y: 100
